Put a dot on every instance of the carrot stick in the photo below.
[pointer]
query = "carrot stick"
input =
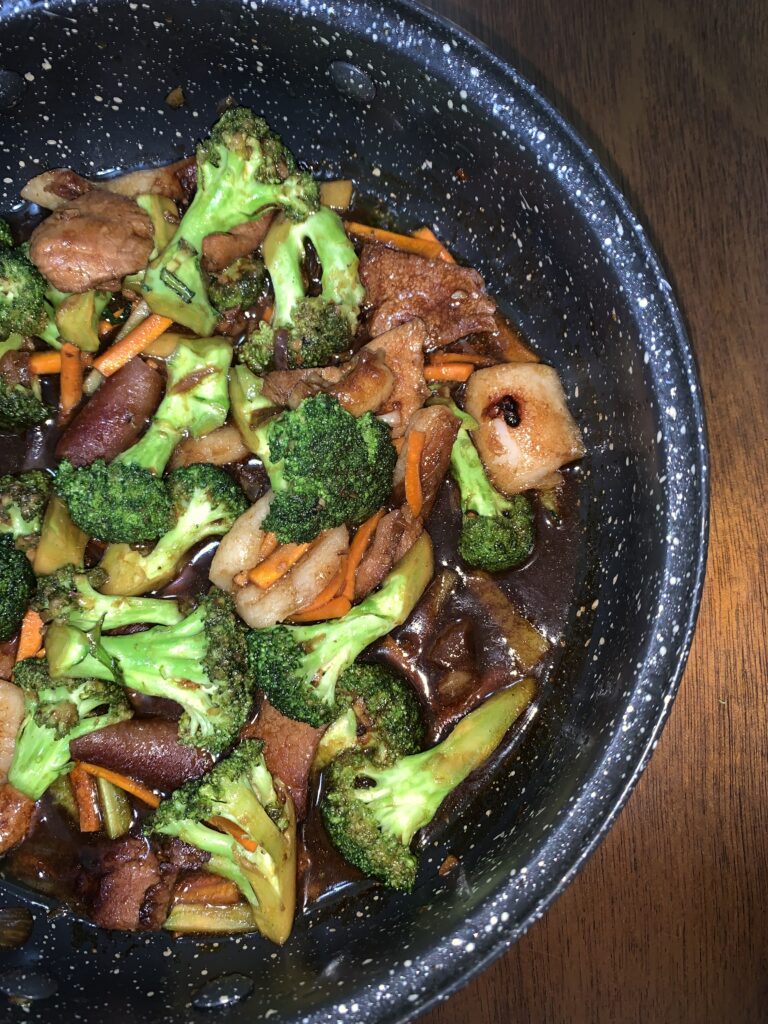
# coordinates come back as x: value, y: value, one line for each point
x: 122, y: 782
x: 87, y: 798
x: 356, y: 551
x: 132, y: 344
x: 105, y: 328
x: 276, y: 565
x: 71, y: 381
x: 429, y: 235
x: 224, y: 825
x: 406, y: 243
x: 45, y: 362
x: 449, y: 371
x: 31, y: 636
x: 269, y: 312
x: 329, y: 591
x: 413, y: 492
x: 332, y: 610
x: 440, y: 358
x: 212, y: 890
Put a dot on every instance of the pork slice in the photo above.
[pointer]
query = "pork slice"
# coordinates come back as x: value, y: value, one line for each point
x: 15, y: 816
x: 126, y: 885
x: 395, y: 535
x: 11, y: 717
x: 224, y: 247
x: 451, y: 300
x: 402, y: 349
x: 440, y: 428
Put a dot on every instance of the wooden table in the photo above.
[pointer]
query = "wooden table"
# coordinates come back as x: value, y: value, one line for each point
x: 667, y: 923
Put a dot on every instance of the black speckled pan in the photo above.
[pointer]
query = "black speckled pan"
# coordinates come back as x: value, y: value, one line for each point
x: 401, y: 101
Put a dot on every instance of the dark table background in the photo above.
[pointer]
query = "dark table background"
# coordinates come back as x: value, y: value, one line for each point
x: 668, y: 921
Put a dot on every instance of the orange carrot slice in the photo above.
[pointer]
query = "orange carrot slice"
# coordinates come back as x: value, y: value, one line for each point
x: 357, y: 549
x: 329, y: 591
x: 134, y: 342
x: 406, y: 243
x: 242, y: 837
x: 71, y: 381
x: 429, y: 235
x: 45, y: 362
x: 413, y: 492
x: 276, y: 565
x: 442, y: 358
x: 122, y: 782
x: 31, y: 636
x: 87, y: 799
x: 212, y: 890
x: 332, y: 610
x: 449, y: 371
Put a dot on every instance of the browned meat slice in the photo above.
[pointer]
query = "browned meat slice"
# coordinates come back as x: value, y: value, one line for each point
x: 14, y: 368
x: 221, y: 447
x: 224, y: 247
x: 403, y: 352
x: 15, y: 816
x: 451, y: 300
x: 128, y: 886
x: 504, y: 344
x: 289, y: 750
x: 7, y: 658
x: 364, y: 384
x: 144, y: 749
x: 440, y: 427
x: 114, y: 417
x: 92, y: 242
x: 395, y: 535
x: 291, y: 387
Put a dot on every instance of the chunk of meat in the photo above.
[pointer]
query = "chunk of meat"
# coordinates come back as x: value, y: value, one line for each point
x: 526, y: 432
x: 289, y: 388
x: 11, y: 717
x: 440, y: 427
x: 221, y: 447
x: 14, y: 368
x: 299, y: 587
x: 144, y: 749
x: 505, y: 344
x: 92, y: 242
x: 289, y: 750
x: 15, y: 816
x: 451, y: 300
x: 114, y: 417
x: 7, y: 657
x: 364, y: 384
x: 403, y: 352
x: 244, y: 546
x: 395, y: 535
x: 127, y: 885
x: 224, y: 247
x: 53, y: 189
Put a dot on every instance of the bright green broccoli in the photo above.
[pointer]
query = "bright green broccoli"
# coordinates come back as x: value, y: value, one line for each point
x: 17, y: 586
x: 238, y: 286
x: 126, y: 501
x: 56, y: 712
x: 205, y: 502
x: 316, y: 328
x: 69, y: 595
x: 497, y: 533
x: 372, y: 810
x: 200, y: 662
x: 383, y: 716
x: 23, y: 500
x: 242, y: 169
x: 298, y: 667
x: 239, y: 792
x: 22, y: 294
x: 6, y: 238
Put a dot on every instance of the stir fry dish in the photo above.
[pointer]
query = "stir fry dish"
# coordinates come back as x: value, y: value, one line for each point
x: 270, y: 473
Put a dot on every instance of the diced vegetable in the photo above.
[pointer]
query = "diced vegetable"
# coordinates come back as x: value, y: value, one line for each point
x: 115, y: 808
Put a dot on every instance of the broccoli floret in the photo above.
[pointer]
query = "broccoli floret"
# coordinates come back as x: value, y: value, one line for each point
x: 242, y: 169
x: 200, y: 662
x: 246, y: 821
x: 238, y: 286
x: 17, y: 586
x: 22, y: 293
x: 23, y: 500
x: 317, y: 328
x: 298, y: 667
x: 20, y: 403
x: 6, y: 238
x: 68, y: 595
x: 372, y: 811
x: 57, y: 711
x: 205, y: 502
x: 127, y: 502
x: 497, y: 533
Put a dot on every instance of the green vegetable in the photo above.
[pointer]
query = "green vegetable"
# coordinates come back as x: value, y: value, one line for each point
x: 372, y: 811
x: 240, y: 790
x: 200, y: 662
x: 17, y: 585
x: 61, y: 542
x: 239, y: 285
x: 115, y: 808
x: 318, y: 328
x: 242, y: 169
x: 23, y: 500
x: 299, y: 667
x: 77, y: 319
x: 190, y: 918
x: 22, y: 293
x: 56, y: 712
x: 6, y: 238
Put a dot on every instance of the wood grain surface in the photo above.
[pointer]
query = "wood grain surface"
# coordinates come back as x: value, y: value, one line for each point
x: 668, y: 921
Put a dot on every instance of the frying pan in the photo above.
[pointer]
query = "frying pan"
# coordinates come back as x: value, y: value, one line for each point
x: 438, y: 131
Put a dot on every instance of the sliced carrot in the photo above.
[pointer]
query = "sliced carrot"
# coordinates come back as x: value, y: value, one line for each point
x: 105, y: 328
x: 441, y: 358
x: 45, y: 362
x: 212, y: 890
x: 429, y: 235
x: 406, y: 243
x: 71, y: 381
x: 357, y: 549
x: 329, y: 591
x: 242, y: 837
x: 86, y: 797
x: 268, y: 313
x: 134, y: 342
x: 122, y: 782
x: 332, y: 610
x: 413, y: 492
x: 276, y: 565
x: 31, y: 636
x: 449, y: 371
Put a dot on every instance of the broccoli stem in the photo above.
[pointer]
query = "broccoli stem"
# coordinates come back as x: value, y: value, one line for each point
x: 477, y: 493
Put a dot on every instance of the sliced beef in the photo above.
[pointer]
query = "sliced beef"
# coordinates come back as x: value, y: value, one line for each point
x: 113, y: 418
x: 364, y: 384
x: 395, y: 535
x: 14, y: 368
x: 289, y: 750
x: 440, y: 428
x: 144, y: 749
x: 403, y: 352
x: 15, y: 816
x: 451, y: 300
x: 224, y: 247
x: 126, y: 885
x: 92, y: 242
